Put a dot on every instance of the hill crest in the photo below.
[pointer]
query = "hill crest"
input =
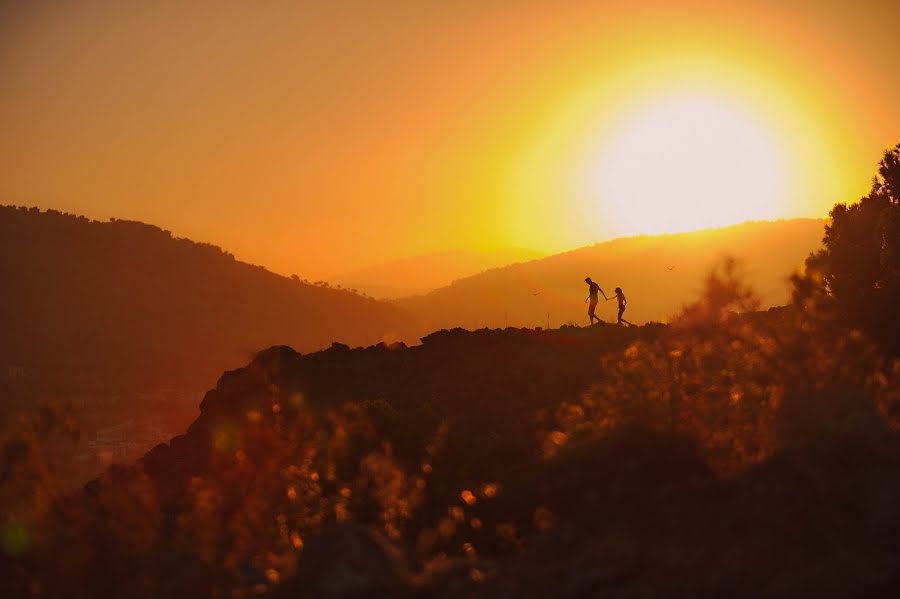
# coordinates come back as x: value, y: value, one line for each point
x: 123, y: 303
x: 659, y: 274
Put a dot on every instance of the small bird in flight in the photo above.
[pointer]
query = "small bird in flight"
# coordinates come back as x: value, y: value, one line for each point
x: 670, y: 268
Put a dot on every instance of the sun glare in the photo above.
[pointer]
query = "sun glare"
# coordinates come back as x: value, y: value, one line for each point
x: 685, y: 163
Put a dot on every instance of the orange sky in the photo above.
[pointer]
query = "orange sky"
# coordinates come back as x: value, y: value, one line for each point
x: 320, y: 137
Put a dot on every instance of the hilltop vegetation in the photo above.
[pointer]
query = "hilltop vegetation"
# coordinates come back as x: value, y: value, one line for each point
x: 859, y: 263
x: 124, y: 304
x: 659, y: 274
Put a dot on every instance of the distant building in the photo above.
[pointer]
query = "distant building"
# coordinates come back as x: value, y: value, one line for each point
x: 15, y: 371
x: 128, y: 439
x: 93, y: 400
x: 153, y: 396
x: 193, y: 397
x: 168, y: 395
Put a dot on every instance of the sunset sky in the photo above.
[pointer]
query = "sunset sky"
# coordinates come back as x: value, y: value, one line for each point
x: 319, y: 137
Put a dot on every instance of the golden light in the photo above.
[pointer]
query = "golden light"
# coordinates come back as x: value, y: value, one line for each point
x: 688, y: 161
x: 665, y: 141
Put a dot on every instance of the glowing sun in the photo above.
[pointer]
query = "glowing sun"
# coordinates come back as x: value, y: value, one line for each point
x: 688, y: 162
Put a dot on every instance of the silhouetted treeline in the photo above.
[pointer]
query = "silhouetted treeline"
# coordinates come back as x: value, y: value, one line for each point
x: 125, y: 303
x: 859, y: 265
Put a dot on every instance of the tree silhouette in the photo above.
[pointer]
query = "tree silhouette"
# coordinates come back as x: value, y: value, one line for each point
x: 859, y: 265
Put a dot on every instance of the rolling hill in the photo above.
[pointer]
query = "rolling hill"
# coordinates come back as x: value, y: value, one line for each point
x: 125, y: 304
x: 421, y: 274
x: 658, y: 274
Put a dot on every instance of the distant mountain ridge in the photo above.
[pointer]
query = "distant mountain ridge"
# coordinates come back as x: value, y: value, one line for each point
x: 658, y: 274
x: 421, y: 274
x: 126, y: 303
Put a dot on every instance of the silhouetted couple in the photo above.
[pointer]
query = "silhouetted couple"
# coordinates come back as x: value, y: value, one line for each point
x: 593, y: 290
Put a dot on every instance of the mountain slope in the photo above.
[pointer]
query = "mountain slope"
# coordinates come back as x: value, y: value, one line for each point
x: 658, y: 274
x: 127, y: 304
x: 420, y: 274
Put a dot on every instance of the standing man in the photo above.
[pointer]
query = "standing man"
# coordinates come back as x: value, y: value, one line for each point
x: 593, y: 288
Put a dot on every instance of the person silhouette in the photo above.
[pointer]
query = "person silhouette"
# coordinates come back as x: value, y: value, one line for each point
x: 593, y: 288
x: 620, y: 296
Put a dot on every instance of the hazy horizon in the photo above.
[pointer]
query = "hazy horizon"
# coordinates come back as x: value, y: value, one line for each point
x: 345, y: 278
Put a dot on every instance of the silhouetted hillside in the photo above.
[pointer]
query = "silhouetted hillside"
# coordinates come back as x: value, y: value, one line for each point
x: 420, y: 274
x: 726, y: 454
x: 122, y: 303
x: 659, y: 274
